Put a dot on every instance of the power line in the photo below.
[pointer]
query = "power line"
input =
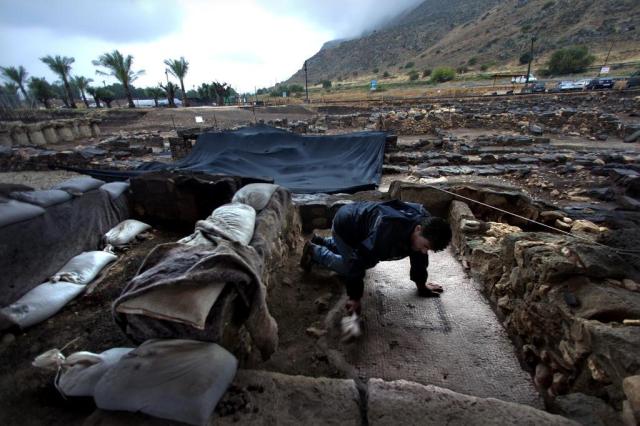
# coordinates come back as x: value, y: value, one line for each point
x: 536, y: 222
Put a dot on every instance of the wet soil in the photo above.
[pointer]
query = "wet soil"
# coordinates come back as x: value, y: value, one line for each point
x: 27, y: 394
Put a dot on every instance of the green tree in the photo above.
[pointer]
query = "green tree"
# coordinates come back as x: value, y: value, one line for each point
x: 94, y: 94
x: 154, y: 93
x: 61, y: 66
x: 105, y: 95
x: 18, y: 76
x: 41, y: 90
x: 442, y: 74
x: 426, y: 73
x: 524, y: 58
x: 60, y: 92
x: 82, y: 83
x: 326, y: 84
x: 170, y: 91
x: 119, y: 66
x: 9, y: 95
x: 413, y: 75
x: 386, y: 74
x: 570, y: 60
x: 409, y: 65
x: 178, y: 68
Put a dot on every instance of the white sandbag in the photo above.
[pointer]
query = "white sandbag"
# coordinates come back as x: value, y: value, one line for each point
x: 41, y: 302
x: 83, y: 268
x: 78, y: 374
x: 123, y: 233
x: 256, y: 195
x: 180, y: 380
x: 234, y: 221
x: 115, y: 189
x: 79, y: 185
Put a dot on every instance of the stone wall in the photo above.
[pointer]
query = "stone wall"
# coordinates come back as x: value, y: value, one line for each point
x: 571, y: 306
x: 52, y: 132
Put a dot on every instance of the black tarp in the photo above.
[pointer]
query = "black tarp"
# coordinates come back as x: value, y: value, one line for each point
x: 303, y: 164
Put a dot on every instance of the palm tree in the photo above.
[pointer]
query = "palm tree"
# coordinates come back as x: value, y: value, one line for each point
x: 61, y: 65
x: 18, y: 76
x: 119, y: 67
x: 94, y: 93
x: 154, y: 93
x: 170, y: 91
x: 178, y: 68
x: 41, y: 90
x: 9, y: 95
x: 82, y: 83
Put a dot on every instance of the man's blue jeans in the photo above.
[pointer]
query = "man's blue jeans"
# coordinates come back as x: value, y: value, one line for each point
x: 341, y: 258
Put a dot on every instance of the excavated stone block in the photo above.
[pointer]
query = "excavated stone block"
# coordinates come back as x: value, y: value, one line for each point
x: 5, y: 138
x: 19, y: 136
x: 50, y: 134
x: 35, y: 134
x: 95, y: 130
x: 85, y: 130
x: 631, y: 387
x: 435, y: 201
x: 586, y: 410
x: 408, y: 403
x: 73, y: 125
x: 64, y: 132
x: 265, y: 398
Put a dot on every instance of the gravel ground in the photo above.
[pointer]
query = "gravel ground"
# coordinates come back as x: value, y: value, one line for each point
x: 37, y: 180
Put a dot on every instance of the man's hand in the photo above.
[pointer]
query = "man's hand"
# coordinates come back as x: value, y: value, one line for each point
x: 353, y: 306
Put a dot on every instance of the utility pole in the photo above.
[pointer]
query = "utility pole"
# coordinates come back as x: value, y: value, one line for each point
x: 533, y: 39
x: 306, y: 82
x: 606, y: 59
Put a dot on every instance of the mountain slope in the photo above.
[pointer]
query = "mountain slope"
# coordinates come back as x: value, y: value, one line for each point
x: 451, y: 32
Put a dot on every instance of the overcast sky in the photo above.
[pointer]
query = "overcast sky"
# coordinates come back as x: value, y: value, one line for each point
x: 247, y: 43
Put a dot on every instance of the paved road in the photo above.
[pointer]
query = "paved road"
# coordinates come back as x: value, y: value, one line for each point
x: 454, y: 341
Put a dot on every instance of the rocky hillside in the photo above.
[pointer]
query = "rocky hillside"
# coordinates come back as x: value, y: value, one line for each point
x: 473, y: 33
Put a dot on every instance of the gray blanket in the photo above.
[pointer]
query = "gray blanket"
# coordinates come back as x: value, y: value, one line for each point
x: 205, y: 258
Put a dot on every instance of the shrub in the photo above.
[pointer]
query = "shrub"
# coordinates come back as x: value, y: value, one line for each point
x: 296, y: 88
x: 426, y: 73
x: 386, y: 74
x: 376, y: 70
x: 472, y: 61
x: 548, y: 4
x: 443, y: 74
x: 525, y: 58
x: 484, y: 67
x: 409, y: 65
x: 413, y: 75
x: 462, y: 69
x: 570, y: 60
x: 326, y: 84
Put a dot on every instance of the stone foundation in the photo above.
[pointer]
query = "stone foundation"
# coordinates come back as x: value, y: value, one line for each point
x: 51, y: 132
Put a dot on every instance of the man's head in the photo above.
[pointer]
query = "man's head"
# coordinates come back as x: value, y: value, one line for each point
x: 433, y: 233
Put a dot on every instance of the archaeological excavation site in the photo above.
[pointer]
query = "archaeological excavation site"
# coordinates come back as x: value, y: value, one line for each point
x: 165, y: 266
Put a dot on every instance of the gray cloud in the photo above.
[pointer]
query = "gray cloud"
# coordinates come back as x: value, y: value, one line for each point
x: 108, y: 20
x: 346, y: 18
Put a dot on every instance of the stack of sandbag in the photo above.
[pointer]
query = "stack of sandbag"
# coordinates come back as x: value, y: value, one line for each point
x: 201, y: 285
x: 180, y: 380
x: 47, y: 299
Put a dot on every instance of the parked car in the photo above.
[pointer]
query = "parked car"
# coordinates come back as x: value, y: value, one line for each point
x: 521, y: 79
x: 533, y: 88
x: 568, y: 86
x: 633, y: 80
x: 583, y: 83
x: 600, y: 83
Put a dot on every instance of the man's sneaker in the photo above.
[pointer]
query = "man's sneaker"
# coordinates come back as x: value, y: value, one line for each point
x: 307, y: 256
x: 317, y: 240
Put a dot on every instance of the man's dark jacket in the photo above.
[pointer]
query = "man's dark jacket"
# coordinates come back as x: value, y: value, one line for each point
x: 381, y: 231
